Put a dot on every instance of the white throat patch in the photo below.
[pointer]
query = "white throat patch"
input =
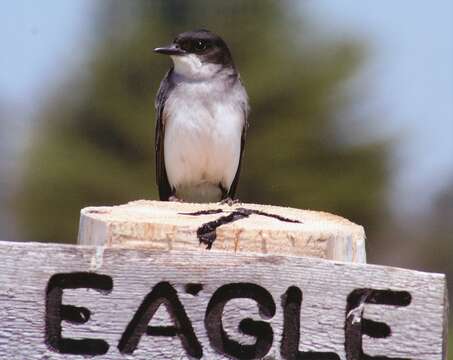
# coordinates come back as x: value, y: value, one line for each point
x: 190, y: 66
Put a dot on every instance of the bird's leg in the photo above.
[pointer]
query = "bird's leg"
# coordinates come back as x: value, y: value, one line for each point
x: 173, y: 196
x: 175, y: 199
x: 229, y: 201
x: 226, y: 199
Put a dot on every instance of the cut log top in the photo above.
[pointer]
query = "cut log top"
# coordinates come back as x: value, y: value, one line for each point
x: 239, y: 228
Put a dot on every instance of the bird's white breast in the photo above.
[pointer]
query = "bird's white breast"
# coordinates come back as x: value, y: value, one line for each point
x: 203, y: 138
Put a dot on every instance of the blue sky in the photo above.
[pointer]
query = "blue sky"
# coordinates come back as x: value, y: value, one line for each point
x: 410, y: 78
x: 38, y: 40
x: 409, y: 75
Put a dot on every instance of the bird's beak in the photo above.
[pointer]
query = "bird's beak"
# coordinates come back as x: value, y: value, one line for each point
x: 173, y: 49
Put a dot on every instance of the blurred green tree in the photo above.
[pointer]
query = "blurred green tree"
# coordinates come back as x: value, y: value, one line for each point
x: 95, y: 141
x: 434, y: 242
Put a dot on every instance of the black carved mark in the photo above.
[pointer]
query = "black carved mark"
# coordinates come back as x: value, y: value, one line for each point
x: 75, y: 314
x: 161, y: 331
x: 193, y: 289
x: 292, y: 302
x: 375, y: 329
x: 275, y: 216
x: 56, y: 312
x: 206, y: 233
x: 204, y: 212
x: 261, y: 330
x: 162, y: 293
x: 356, y: 325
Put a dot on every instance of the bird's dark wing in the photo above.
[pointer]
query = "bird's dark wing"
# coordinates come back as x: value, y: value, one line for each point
x: 166, y: 86
x: 232, y: 191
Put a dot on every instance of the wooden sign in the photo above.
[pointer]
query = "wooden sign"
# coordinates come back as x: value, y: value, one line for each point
x: 67, y: 302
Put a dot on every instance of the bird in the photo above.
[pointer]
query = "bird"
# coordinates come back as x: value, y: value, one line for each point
x: 201, y: 121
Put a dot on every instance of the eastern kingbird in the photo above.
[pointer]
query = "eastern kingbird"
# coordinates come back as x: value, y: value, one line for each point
x: 201, y: 109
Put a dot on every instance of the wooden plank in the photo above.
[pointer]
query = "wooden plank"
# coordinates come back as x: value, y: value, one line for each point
x: 309, y: 308
x: 267, y: 229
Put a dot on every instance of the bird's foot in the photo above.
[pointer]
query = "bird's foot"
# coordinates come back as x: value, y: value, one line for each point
x: 229, y: 201
x: 175, y: 199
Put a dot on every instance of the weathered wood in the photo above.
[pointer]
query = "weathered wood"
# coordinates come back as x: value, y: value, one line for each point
x: 337, y: 299
x: 167, y: 225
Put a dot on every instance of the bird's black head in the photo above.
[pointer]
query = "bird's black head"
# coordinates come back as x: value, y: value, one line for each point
x: 203, y: 45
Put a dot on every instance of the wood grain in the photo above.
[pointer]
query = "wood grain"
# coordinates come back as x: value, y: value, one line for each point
x: 166, y: 226
x: 418, y: 328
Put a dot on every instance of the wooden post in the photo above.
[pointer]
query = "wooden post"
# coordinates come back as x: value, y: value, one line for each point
x: 256, y: 228
x: 142, y: 294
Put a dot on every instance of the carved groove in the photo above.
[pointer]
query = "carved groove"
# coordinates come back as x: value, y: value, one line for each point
x: 206, y: 233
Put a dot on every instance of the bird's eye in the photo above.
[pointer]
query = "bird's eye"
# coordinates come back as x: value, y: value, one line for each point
x: 200, y: 45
